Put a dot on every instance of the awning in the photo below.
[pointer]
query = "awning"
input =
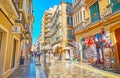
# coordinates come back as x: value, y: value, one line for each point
x: 69, y: 47
x: 55, y: 46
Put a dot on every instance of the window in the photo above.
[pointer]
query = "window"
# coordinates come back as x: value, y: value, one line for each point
x: 76, y: 19
x: 73, y: 20
x: 94, y: 12
x: 116, y: 5
x: 70, y: 34
x: 83, y: 14
x: 68, y: 9
x: 80, y: 16
x: 69, y: 20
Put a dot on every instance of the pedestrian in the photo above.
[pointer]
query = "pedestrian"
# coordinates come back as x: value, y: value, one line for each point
x: 60, y: 56
x: 38, y: 55
x: 35, y: 54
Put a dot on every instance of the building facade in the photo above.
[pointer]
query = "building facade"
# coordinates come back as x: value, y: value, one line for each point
x: 62, y: 31
x: 26, y: 19
x: 98, y: 36
x: 13, y: 24
x: 46, y: 29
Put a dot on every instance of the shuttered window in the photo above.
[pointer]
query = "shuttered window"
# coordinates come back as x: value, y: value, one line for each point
x: 94, y: 12
x: 116, y: 5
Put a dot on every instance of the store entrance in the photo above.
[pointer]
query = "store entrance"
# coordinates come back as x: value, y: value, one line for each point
x: 1, y: 66
x: 2, y: 50
x: 117, y: 34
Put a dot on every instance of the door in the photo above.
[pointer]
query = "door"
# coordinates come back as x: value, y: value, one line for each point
x: 13, y: 54
x: 1, y: 57
x: 117, y: 34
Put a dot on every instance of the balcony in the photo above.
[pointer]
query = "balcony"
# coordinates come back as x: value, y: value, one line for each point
x: 16, y: 5
x: 48, y: 35
x: 56, y: 42
x: 11, y: 7
x: 21, y: 20
x: 105, y: 15
x: 47, y: 21
x: 47, y: 41
x: 78, y: 5
x: 80, y: 26
x: 46, y: 27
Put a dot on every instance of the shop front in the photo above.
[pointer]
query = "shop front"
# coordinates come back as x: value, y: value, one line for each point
x: 117, y: 35
x: 98, y: 49
x: 68, y: 52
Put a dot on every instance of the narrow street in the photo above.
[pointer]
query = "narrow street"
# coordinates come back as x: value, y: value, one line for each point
x: 59, y: 38
x: 69, y: 69
x: 25, y: 71
x: 59, y: 69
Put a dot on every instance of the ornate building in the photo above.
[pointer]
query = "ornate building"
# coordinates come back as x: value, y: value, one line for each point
x: 15, y: 33
x: 62, y: 31
x: 98, y: 31
x: 46, y: 29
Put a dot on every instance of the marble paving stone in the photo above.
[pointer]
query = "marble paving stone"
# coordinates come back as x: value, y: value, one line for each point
x: 26, y: 71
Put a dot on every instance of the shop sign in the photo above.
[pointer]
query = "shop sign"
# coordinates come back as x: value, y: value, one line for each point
x: 27, y: 45
x: 15, y: 29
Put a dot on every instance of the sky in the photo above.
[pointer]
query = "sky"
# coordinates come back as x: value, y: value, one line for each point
x: 40, y: 6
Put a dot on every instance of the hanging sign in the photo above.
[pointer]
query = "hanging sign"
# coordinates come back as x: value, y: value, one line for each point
x: 15, y: 29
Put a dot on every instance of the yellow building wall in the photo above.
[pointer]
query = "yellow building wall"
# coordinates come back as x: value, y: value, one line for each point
x: 64, y: 24
x: 7, y: 59
x: 110, y: 24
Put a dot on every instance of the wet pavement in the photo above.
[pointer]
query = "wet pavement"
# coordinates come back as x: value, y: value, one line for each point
x: 25, y: 71
x: 68, y: 69
x: 59, y: 69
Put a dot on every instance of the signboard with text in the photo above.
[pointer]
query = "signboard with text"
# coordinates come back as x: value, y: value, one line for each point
x: 15, y: 29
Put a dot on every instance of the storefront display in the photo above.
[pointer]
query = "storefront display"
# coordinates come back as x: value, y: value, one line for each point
x: 98, y: 49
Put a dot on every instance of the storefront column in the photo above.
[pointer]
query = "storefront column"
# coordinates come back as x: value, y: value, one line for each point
x: 113, y: 38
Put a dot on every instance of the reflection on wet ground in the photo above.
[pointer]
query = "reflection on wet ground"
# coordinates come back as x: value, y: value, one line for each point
x: 68, y: 70
x: 25, y: 71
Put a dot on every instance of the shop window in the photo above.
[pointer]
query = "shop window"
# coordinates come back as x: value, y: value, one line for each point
x: 68, y: 9
x: 116, y: 5
x: 94, y: 12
